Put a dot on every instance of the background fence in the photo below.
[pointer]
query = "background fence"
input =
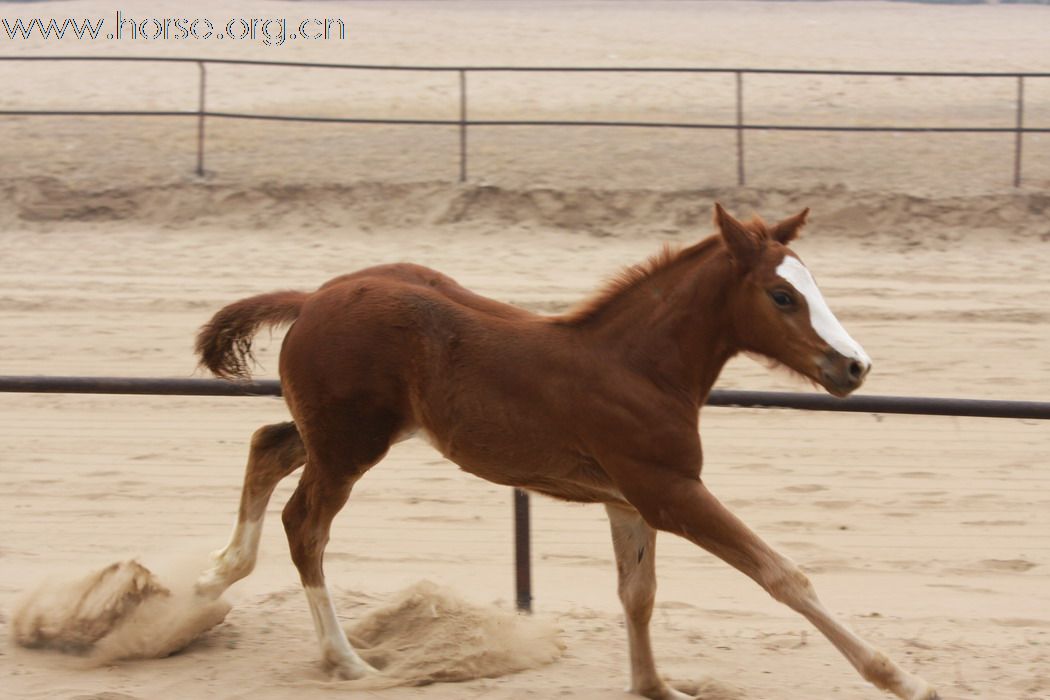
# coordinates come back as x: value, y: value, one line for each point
x: 740, y: 126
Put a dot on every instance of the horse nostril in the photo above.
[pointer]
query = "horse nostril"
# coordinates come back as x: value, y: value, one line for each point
x: 856, y: 370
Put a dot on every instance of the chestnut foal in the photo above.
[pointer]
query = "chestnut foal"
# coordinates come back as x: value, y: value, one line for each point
x: 600, y: 405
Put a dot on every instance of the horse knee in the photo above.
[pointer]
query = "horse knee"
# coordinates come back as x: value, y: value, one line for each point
x: 788, y: 585
x: 637, y: 592
x: 635, y: 601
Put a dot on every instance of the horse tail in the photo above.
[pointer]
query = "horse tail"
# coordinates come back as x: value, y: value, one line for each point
x: 224, y: 343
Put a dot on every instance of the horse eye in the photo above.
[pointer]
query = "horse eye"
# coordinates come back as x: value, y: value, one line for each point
x: 782, y: 299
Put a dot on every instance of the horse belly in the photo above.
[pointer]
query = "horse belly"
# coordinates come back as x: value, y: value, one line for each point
x: 511, y: 458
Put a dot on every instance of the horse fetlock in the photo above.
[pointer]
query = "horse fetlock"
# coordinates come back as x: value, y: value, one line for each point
x: 884, y: 674
x: 347, y: 668
x: 209, y: 585
x: 237, y: 566
x: 229, y: 567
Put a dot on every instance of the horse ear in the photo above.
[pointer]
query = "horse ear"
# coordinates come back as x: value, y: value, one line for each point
x: 744, y: 245
x: 787, y: 230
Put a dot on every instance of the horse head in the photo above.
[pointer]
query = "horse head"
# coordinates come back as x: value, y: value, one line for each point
x: 777, y: 309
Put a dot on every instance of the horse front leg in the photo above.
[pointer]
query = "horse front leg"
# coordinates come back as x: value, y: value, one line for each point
x: 683, y: 505
x: 635, y: 545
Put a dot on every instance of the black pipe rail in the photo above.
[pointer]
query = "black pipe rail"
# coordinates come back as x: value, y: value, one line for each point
x: 159, y: 386
x: 913, y: 405
x: 463, y: 122
x: 522, y: 528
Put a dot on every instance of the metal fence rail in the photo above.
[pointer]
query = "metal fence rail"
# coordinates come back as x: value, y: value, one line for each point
x: 914, y: 405
x: 739, y: 125
x: 522, y: 535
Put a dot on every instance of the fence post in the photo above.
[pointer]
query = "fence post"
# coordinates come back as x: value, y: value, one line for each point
x: 200, y: 119
x: 462, y: 125
x: 522, y: 554
x: 739, y: 127
x: 1019, y: 132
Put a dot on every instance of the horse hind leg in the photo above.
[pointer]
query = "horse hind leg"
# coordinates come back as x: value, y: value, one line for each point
x: 307, y: 522
x: 276, y: 451
x: 337, y: 459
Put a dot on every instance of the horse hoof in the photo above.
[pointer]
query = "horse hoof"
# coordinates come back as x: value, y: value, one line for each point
x: 927, y: 693
x: 351, y: 670
x: 664, y: 692
x: 673, y: 694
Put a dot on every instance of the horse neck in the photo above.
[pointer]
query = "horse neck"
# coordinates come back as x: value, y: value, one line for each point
x: 674, y: 325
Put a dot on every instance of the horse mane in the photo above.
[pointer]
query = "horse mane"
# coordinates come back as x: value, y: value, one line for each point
x: 635, y: 276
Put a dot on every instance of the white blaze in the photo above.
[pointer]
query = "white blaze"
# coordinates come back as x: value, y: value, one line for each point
x: 820, y: 316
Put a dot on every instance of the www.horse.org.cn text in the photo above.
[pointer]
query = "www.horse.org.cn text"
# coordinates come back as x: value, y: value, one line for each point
x: 274, y: 31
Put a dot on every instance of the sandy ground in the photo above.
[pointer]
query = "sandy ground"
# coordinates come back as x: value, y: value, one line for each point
x: 928, y: 535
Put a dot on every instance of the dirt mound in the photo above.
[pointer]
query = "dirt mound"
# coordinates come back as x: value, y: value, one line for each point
x: 119, y: 612
x: 46, y: 203
x: 428, y: 634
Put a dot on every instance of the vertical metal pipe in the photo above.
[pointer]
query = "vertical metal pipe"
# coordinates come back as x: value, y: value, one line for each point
x: 1019, y: 132
x: 522, y: 554
x: 462, y: 125
x: 200, y: 119
x: 739, y: 128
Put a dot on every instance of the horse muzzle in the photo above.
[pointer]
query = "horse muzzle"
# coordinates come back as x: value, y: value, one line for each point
x: 842, y: 375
